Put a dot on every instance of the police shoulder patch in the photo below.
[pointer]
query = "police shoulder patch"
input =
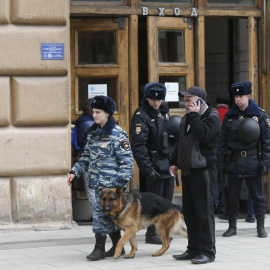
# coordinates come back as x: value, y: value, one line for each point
x: 125, y: 144
x: 138, y: 128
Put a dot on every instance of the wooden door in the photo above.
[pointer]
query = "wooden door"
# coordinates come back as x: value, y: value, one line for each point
x: 171, y: 55
x: 99, y: 64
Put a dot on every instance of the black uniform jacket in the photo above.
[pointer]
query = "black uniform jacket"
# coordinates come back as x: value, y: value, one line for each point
x: 147, y: 139
x: 230, y: 144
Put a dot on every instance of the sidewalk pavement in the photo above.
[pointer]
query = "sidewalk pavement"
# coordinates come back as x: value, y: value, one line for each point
x: 67, y: 249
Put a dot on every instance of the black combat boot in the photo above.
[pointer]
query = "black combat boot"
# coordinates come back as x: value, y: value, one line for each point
x: 232, y: 227
x: 115, y: 236
x: 260, y: 227
x: 99, y: 251
x: 151, y: 236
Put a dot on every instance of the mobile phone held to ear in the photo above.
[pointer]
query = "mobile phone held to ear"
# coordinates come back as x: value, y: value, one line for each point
x: 199, y: 100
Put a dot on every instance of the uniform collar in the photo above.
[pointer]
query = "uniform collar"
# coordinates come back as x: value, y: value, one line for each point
x: 252, y: 110
x: 107, y: 129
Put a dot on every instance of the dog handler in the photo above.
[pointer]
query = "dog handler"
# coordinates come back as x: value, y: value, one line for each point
x: 108, y: 158
x: 196, y: 157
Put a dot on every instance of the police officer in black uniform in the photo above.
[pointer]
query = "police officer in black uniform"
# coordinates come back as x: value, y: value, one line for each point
x: 244, y: 152
x: 152, y: 145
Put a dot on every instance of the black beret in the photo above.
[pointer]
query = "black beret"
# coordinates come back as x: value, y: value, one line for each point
x: 104, y: 103
x: 243, y: 88
x: 155, y: 90
x: 194, y: 91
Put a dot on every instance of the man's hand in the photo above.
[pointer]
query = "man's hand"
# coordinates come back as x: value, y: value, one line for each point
x: 70, y: 179
x: 264, y: 170
x: 152, y: 177
x: 194, y: 107
x: 173, y: 170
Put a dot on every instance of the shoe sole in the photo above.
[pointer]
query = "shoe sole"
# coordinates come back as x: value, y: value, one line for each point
x: 195, y: 262
x: 185, y: 259
x: 96, y: 259
x: 229, y: 235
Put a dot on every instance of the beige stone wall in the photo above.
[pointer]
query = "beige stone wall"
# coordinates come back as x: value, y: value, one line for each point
x: 34, y: 114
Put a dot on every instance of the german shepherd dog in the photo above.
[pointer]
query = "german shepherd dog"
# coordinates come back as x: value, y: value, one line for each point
x: 132, y: 212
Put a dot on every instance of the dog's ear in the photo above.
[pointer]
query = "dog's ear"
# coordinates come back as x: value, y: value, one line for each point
x: 120, y: 190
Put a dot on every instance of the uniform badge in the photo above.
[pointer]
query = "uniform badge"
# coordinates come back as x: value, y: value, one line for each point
x: 103, y: 144
x: 125, y: 144
x: 255, y: 118
x: 138, y: 128
x: 268, y: 122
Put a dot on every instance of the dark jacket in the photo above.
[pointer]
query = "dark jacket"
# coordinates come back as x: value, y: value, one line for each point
x: 83, y: 123
x: 198, y: 140
x: 147, y: 139
x: 230, y: 144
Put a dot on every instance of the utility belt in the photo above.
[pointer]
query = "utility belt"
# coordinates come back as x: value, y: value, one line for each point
x: 243, y: 153
x: 246, y: 153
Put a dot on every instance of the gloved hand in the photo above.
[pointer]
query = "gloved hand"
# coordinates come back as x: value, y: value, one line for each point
x: 152, y: 177
x: 264, y: 170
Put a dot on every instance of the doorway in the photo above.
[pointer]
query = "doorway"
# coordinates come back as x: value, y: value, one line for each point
x: 229, y: 54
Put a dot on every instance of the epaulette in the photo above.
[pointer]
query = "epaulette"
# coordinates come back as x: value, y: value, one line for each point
x: 262, y: 110
x: 142, y: 113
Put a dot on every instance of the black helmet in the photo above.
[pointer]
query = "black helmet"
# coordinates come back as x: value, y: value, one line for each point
x: 173, y: 125
x: 248, y: 131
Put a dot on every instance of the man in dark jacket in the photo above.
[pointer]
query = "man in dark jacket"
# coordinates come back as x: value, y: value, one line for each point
x: 152, y: 145
x: 244, y: 153
x: 196, y: 157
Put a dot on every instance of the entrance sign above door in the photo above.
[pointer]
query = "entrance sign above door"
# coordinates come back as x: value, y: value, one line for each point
x: 176, y: 11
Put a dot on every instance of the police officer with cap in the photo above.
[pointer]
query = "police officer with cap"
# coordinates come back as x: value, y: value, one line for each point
x: 152, y: 143
x: 244, y: 153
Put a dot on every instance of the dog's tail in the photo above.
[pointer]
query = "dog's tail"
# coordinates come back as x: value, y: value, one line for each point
x: 179, y: 227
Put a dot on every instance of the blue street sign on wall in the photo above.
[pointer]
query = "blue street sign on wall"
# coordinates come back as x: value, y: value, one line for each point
x: 52, y: 51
